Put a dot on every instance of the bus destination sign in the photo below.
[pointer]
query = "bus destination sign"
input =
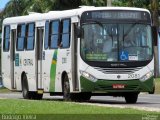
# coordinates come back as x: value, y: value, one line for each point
x: 116, y: 15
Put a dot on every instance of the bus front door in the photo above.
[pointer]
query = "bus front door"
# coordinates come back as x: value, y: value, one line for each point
x: 8, y: 57
x: 39, y: 48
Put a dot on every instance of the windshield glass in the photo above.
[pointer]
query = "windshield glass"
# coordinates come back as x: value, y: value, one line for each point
x: 116, y: 42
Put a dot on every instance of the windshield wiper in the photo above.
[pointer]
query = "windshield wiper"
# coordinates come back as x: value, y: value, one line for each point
x: 129, y: 30
x: 97, y: 22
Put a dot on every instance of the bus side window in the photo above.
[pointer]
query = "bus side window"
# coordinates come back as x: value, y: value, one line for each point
x: 21, y: 37
x: 46, y: 43
x: 6, y: 39
x: 30, y: 36
x: 66, y: 24
x: 54, y: 34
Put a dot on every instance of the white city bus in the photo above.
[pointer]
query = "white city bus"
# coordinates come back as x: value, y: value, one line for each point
x: 79, y: 53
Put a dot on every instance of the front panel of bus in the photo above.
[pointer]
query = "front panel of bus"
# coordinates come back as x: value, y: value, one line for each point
x: 116, y: 51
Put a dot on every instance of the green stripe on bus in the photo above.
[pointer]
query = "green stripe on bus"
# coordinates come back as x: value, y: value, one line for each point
x: 53, y: 71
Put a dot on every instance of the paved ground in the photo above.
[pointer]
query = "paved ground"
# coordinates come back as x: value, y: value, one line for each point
x: 145, y: 101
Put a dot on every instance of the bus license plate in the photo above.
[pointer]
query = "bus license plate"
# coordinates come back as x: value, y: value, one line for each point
x: 118, y: 86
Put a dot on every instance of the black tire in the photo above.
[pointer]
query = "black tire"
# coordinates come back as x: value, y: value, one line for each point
x: 28, y: 94
x: 25, y: 90
x: 67, y: 96
x: 131, y: 98
x: 66, y: 89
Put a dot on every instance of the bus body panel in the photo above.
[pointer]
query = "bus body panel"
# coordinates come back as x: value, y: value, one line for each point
x: 104, y: 82
x: 57, y: 61
x: 47, y: 62
x: 6, y: 70
x: 26, y: 64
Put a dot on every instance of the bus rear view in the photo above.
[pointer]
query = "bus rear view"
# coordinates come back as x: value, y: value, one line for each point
x: 116, y: 53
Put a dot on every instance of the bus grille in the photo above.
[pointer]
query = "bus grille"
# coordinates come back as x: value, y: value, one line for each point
x: 118, y: 70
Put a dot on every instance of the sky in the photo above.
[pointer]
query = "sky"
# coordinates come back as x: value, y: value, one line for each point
x: 3, y: 3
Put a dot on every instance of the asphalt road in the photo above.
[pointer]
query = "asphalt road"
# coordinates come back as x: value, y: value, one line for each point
x: 145, y: 101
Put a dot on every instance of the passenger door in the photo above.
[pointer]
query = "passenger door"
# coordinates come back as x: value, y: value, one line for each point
x: 8, y: 51
x: 39, y: 51
x: 12, y: 57
x: 64, y: 53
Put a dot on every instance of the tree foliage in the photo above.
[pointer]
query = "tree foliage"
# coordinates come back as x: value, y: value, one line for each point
x: 22, y: 7
x: 133, y: 3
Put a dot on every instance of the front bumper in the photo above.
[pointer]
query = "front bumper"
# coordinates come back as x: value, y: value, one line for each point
x: 106, y: 86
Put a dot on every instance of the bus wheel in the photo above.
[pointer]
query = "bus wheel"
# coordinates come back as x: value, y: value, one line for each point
x: 66, y: 89
x: 131, y: 97
x: 25, y: 91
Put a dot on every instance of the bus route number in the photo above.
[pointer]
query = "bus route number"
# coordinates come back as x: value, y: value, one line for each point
x: 134, y: 76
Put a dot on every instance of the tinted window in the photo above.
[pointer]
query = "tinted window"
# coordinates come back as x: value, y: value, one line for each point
x: 30, y: 36
x: 23, y: 30
x: 31, y: 29
x: 55, y: 27
x: 54, y: 41
x: 6, y: 41
x: 65, y: 40
x: 66, y: 33
x: 30, y: 43
x: 20, y: 44
x: 54, y: 36
x: 66, y: 25
x: 21, y: 36
x: 46, y: 35
x: 7, y: 32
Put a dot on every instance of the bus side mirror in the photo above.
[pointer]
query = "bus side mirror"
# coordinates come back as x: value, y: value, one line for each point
x: 154, y: 35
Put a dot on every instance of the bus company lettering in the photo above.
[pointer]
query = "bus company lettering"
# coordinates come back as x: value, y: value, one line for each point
x: 28, y: 62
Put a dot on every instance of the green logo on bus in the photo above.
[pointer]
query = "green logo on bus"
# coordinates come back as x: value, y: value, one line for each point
x: 53, y: 71
x: 16, y: 59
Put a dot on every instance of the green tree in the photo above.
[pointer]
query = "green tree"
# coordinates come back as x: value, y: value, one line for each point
x: 94, y: 2
x: 154, y: 8
x: 15, y: 7
x: 132, y: 3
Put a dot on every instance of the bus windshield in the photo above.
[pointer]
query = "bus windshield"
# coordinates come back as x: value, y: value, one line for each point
x: 116, y: 42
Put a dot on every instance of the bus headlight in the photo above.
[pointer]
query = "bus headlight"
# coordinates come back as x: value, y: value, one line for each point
x: 88, y: 76
x: 146, y: 76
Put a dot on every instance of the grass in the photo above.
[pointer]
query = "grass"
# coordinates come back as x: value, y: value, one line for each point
x: 17, y: 106
x: 60, y: 108
x: 157, y: 86
x: 4, y: 90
